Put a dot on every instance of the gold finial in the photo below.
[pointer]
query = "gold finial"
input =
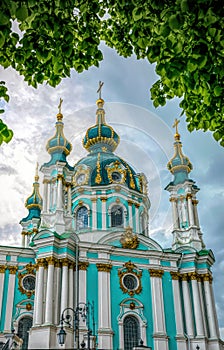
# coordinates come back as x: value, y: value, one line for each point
x: 100, y: 88
x: 36, y: 173
x: 175, y: 125
x: 59, y: 115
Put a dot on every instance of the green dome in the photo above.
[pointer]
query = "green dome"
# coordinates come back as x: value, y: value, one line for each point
x: 101, y: 135
x: 105, y: 168
x: 58, y: 146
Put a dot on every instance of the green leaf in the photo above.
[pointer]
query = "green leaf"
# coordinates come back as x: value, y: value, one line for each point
x: 217, y: 91
x: 4, y: 19
x: 137, y: 13
x: 217, y: 135
x: 2, y: 39
x: 174, y: 22
x: 22, y: 13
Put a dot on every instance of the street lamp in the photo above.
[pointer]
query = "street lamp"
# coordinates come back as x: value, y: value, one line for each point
x: 197, y: 347
x: 72, y: 316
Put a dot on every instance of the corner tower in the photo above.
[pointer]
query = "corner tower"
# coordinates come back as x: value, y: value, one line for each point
x: 186, y: 228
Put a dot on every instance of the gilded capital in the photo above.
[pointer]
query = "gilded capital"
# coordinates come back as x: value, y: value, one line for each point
x: 2, y: 268
x: 206, y: 277
x: 184, y: 277
x: 188, y: 196
x: 193, y: 276
x: 83, y: 265
x: 41, y: 262
x: 12, y: 269
x: 156, y: 273
x: 103, y: 199
x: 65, y: 262
x: 195, y: 201
x: 175, y: 275
x: 50, y: 260
x: 104, y: 267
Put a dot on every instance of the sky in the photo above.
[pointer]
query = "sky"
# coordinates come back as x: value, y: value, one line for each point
x: 146, y: 144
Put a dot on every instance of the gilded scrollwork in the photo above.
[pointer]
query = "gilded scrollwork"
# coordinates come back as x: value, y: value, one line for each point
x: 130, y: 279
x: 128, y: 239
x: 116, y: 172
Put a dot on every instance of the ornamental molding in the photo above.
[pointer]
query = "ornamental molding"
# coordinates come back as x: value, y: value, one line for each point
x: 156, y: 273
x: 175, y: 275
x: 12, y: 269
x: 128, y: 239
x: 130, y: 269
x: 21, y: 276
x: 83, y: 265
x: 104, y: 267
x: 3, y: 268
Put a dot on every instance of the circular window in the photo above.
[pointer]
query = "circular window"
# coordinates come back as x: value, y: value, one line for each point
x: 130, y: 282
x: 28, y: 282
x: 116, y: 176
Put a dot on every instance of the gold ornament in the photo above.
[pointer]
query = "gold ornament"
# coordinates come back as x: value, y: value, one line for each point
x: 128, y: 240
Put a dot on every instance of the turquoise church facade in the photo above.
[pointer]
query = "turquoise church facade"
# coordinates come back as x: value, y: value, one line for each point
x: 86, y: 243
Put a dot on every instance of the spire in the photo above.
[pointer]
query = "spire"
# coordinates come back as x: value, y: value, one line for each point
x: 58, y: 146
x: 34, y: 202
x: 186, y: 228
x: 101, y: 136
x: 179, y: 165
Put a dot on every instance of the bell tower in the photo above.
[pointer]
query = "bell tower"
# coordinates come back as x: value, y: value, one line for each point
x: 186, y: 228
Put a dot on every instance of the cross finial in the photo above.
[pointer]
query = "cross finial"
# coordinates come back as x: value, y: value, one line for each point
x: 100, y: 88
x: 36, y: 172
x: 175, y: 125
x: 59, y: 106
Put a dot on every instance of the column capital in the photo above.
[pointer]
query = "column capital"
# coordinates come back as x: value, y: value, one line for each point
x: 2, y: 268
x: 104, y: 267
x: 65, y: 261
x: 175, y: 275
x: 12, y: 269
x: 188, y: 196
x: 193, y: 276
x: 156, y: 273
x: 103, y: 199
x: 194, y: 201
x: 60, y: 177
x: 51, y: 260
x: 94, y: 199
x: 184, y: 277
x: 172, y: 199
x: 137, y: 205
x: 206, y: 277
x: 83, y: 265
x: 41, y: 262
x: 130, y: 202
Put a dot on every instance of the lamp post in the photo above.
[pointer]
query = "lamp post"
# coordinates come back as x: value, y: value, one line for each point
x: 72, y: 317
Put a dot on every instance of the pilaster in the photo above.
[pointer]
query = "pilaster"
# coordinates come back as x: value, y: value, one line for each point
x: 10, y: 298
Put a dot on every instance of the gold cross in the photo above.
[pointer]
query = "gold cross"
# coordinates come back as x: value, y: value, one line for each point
x: 99, y: 89
x: 175, y: 125
x: 59, y: 106
x: 36, y: 174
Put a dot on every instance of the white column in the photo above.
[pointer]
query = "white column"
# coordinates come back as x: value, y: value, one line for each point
x: 130, y: 214
x: 48, y: 196
x: 197, y: 305
x: 69, y: 204
x: 35, y: 297
x: 71, y: 285
x: 10, y: 298
x: 49, y: 292
x: 187, y: 306
x: 2, y: 279
x: 45, y: 197
x: 64, y: 285
x: 40, y: 292
x: 202, y: 305
x: 104, y: 307
x: 177, y: 304
x: 57, y: 292
x: 103, y: 211
x: 174, y: 213
x: 137, y: 219
x: 211, y: 312
x: 195, y: 202
x: 190, y: 209
x: 94, y: 214
x: 60, y: 193
x: 23, y: 239
x: 159, y: 333
x: 82, y: 285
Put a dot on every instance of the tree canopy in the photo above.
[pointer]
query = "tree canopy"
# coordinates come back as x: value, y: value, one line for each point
x: 185, y: 38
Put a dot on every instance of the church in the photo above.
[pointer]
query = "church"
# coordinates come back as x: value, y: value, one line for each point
x: 87, y: 274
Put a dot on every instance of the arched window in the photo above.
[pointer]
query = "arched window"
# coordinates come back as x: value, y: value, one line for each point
x: 131, y: 332
x: 25, y: 323
x: 82, y: 218
x: 117, y: 216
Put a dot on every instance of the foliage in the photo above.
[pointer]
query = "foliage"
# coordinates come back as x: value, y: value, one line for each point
x: 183, y: 37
